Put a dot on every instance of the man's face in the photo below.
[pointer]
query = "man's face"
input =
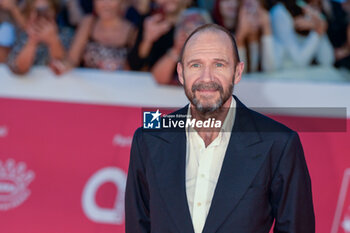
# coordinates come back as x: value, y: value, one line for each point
x: 208, y: 72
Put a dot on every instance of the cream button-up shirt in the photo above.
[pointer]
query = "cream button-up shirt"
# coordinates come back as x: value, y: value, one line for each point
x: 203, y: 166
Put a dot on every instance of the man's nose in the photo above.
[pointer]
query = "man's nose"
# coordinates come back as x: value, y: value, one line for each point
x: 207, y: 74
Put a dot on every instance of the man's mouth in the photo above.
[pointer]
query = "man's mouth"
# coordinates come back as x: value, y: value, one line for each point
x: 206, y: 87
x: 207, y: 90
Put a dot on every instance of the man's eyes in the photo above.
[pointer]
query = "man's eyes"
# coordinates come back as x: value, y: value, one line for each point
x: 198, y: 65
x: 195, y: 65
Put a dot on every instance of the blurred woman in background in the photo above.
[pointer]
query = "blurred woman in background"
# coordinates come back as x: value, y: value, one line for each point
x: 7, y: 38
x: 41, y: 41
x: 249, y: 21
x: 156, y: 33
x: 10, y: 17
x: 338, y: 17
x: 164, y: 70
x: 103, y: 38
x: 300, y: 32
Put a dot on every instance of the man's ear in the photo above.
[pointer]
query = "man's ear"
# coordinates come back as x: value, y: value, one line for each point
x: 179, y: 69
x: 239, y: 72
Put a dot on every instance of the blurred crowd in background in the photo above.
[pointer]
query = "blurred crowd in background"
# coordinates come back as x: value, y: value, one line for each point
x: 147, y: 35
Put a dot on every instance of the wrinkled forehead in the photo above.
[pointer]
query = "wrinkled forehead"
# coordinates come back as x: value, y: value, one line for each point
x: 209, y: 41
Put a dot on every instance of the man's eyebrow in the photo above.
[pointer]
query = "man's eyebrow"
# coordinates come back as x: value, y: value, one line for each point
x: 221, y: 60
x: 193, y: 61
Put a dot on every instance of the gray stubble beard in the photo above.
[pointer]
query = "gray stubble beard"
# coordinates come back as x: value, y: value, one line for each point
x: 216, y: 106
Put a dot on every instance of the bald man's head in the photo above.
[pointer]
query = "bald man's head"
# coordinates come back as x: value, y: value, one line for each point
x: 209, y: 68
x: 213, y: 28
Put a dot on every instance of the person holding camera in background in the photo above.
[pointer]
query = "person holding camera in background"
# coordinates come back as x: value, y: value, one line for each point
x: 338, y: 17
x: 41, y: 42
x: 300, y: 32
x: 156, y: 34
x: 164, y: 70
x: 249, y: 21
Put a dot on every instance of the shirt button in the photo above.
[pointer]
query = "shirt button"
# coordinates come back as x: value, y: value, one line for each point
x: 199, y: 204
x: 202, y: 175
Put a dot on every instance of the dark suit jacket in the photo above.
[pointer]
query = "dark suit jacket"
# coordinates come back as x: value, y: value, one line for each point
x: 264, y: 178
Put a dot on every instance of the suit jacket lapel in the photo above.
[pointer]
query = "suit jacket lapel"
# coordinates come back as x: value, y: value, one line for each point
x: 169, y: 166
x: 244, y: 156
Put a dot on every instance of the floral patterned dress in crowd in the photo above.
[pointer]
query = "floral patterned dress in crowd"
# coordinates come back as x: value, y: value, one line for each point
x: 42, y: 55
x: 107, y: 57
x: 104, y: 57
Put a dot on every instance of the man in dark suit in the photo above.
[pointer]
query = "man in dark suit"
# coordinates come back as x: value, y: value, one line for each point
x: 240, y: 178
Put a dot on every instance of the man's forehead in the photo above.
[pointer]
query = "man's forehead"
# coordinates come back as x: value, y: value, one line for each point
x: 215, y: 38
x: 209, y: 33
